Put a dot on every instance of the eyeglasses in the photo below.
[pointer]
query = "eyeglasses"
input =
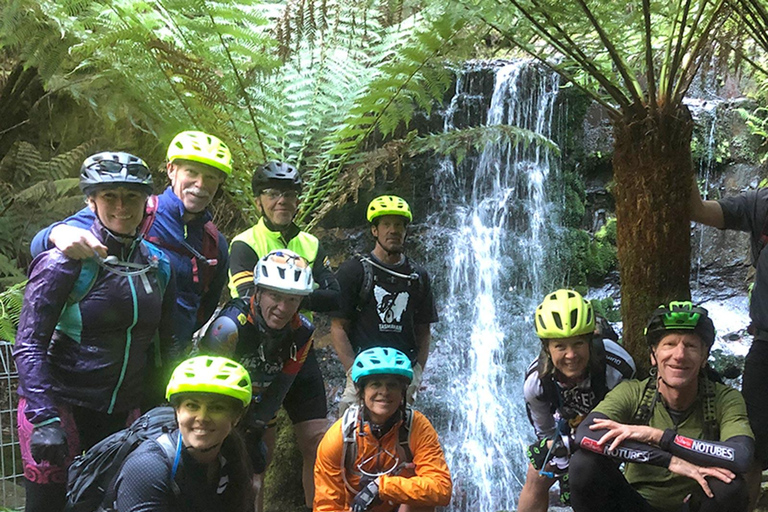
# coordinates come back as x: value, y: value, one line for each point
x: 274, y: 193
x: 111, y: 167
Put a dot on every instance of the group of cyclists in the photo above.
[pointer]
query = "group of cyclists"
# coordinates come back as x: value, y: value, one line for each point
x: 117, y: 291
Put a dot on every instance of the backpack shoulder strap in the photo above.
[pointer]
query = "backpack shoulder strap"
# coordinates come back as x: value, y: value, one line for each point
x: 349, y: 422
x: 173, y: 454
x: 597, y: 379
x: 645, y: 409
x: 364, y: 294
x: 711, y: 426
x: 164, y: 266
x: 150, y: 213
x: 404, y: 435
x: 88, y: 274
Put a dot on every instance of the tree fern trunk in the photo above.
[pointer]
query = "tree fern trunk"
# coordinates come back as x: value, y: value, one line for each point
x: 653, y: 173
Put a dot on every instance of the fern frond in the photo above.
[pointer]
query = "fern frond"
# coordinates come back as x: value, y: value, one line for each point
x: 11, y: 300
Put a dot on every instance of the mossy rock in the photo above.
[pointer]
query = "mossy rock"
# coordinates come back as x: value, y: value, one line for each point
x: 283, y: 491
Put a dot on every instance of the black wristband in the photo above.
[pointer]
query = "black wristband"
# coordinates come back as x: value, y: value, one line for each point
x: 666, y: 439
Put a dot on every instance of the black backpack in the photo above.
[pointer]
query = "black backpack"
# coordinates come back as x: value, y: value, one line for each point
x: 92, y: 476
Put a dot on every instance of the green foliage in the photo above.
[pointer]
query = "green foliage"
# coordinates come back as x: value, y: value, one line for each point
x: 626, y: 56
x: 574, y: 199
x: 588, y: 260
x: 757, y: 122
x: 10, y: 309
x: 606, y: 309
x: 28, y: 182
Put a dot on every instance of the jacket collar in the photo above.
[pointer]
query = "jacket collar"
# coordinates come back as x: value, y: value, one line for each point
x: 175, y: 208
x: 290, y: 233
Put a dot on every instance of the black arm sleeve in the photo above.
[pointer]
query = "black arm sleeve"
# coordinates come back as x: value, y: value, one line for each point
x: 242, y: 261
x: 734, y: 454
x: 326, y: 297
x: 628, y: 451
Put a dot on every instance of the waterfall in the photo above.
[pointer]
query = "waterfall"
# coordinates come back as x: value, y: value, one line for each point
x: 492, y: 230
x: 704, y: 114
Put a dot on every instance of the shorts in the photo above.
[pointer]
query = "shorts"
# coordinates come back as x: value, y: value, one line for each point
x: 84, y: 428
x: 306, y: 399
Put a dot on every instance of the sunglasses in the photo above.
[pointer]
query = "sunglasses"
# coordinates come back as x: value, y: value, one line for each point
x: 274, y: 193
x: 288, y: 259
x: 111, y: 167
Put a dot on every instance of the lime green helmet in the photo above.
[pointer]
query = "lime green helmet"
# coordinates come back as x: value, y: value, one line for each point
x: 389, y: 205
x: 680, y: 316
x: 201, y: 147
x: 563, y: 314
x: 210, y: 374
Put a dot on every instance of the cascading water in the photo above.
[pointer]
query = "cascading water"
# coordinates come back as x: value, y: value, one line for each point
x: 704, y: 114
x: 493, y: 229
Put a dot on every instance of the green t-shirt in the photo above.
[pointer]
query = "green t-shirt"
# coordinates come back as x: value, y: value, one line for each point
x: 661, y: 488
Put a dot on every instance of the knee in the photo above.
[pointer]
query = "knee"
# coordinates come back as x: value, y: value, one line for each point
x: 733, y: 496
x: 583, y: 470
x: 309, y: 434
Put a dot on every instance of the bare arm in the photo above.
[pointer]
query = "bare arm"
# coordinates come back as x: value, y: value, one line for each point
x: 709, y: 213
x: 423, y: 335
x: 341, y: 342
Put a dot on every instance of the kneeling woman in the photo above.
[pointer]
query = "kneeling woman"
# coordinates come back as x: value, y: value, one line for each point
x: 211, y: 469
x: 381, y: 455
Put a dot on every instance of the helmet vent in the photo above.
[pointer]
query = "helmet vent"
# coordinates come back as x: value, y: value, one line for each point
x: 558, y: 320
x: 574, y: 317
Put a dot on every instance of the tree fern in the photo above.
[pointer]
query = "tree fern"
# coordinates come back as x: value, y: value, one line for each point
x: 10, y: 310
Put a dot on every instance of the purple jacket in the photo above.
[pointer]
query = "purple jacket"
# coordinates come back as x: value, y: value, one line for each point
x: 101, y: 363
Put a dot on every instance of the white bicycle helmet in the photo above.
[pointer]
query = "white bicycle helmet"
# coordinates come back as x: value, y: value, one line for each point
x: 284, y: 271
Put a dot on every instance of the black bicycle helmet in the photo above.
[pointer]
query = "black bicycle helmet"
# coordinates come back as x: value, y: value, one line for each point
x: 114, y: 168
x: 680, y: 316
x: 275, y: 174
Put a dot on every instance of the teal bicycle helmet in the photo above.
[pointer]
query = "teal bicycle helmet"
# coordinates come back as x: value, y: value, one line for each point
x: 381, y: 361
x: 677, y: 317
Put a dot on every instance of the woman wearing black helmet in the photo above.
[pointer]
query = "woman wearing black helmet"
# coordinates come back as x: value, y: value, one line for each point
x: 86, y: 331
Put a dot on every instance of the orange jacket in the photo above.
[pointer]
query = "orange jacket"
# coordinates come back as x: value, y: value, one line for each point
x: 427, y: 485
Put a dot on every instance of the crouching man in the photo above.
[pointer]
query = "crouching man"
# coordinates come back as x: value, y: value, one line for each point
x: 685, y: 439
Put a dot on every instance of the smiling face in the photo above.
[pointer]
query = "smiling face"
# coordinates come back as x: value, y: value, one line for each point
x: 119, y: 209
x: 389, y: 233
x: 205, y: 420
x: 570, y: 357
x: 278, y: 205
x: 194, y: 183
x: 277, y: 308
x: 382, y: 395
x: 679, y: 357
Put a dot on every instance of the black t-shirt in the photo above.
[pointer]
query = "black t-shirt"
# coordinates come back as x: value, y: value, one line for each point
x: 747, y: 212
x: 393, y: 307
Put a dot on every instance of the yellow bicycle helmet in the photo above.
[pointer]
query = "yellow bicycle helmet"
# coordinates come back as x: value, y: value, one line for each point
x: 209, y: 374
x: 563, y: 314
x: 389, y: 205
x: 201, y: 147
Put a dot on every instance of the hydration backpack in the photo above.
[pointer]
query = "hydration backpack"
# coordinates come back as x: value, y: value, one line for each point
x: 92, y: 476
x: 203, y: 264
x: 364, y: 295
x: 349, y: 422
